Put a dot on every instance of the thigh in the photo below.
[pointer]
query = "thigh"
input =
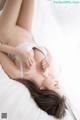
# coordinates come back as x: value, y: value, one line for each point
x: 26, y: 14
x: 11, y: 12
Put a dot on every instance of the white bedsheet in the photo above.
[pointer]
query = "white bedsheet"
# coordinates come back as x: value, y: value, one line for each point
x: 15, y: 100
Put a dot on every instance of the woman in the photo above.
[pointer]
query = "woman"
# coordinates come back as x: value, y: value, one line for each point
x: 32, y: 74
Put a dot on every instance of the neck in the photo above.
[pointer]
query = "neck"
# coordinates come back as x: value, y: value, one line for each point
x: 38, y: 79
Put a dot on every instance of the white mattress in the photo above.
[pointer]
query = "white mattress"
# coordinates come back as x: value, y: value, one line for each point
x: 15, y: 100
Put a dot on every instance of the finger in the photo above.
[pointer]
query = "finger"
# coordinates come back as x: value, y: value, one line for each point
x: 31, y: 59
x: 44, y: 69
x: 28, y: 64
x: 45, y: 63
x: 42, y: 61
x: 45, y: 66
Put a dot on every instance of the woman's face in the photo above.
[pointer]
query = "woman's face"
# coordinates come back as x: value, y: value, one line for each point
x: 52, y: 84
x: 42, y: 81
x: 45, y: 82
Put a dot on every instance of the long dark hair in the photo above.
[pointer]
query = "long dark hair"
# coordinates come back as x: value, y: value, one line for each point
x: 48, y: 100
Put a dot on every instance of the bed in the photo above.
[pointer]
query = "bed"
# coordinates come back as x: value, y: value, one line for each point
x: 16, y: 101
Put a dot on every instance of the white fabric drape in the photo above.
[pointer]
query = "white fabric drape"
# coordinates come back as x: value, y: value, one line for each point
x: 58, y: 27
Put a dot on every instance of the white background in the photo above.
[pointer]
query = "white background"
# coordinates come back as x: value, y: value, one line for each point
x: 58, y: 27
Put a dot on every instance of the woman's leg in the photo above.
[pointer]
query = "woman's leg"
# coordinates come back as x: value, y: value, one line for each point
x: 26, y: 14
x: 10, y: 12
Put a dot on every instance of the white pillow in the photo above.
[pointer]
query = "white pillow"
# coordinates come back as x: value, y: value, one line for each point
x: 16, y: 101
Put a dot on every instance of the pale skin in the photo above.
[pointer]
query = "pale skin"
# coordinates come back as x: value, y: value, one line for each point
x: 13, y: 70
x: 14, y: 18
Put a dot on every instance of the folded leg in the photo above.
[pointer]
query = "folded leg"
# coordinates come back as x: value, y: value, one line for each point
x: 11, y: 12
x: 26, y: 14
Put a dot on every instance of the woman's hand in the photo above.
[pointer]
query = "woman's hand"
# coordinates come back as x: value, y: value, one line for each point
x: 45, y: 64
x: 25, y: 57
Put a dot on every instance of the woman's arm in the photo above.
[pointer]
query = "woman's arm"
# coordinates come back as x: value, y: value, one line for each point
x: 8, y: 49
x: 24, y: 56
x: 9, y: 67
